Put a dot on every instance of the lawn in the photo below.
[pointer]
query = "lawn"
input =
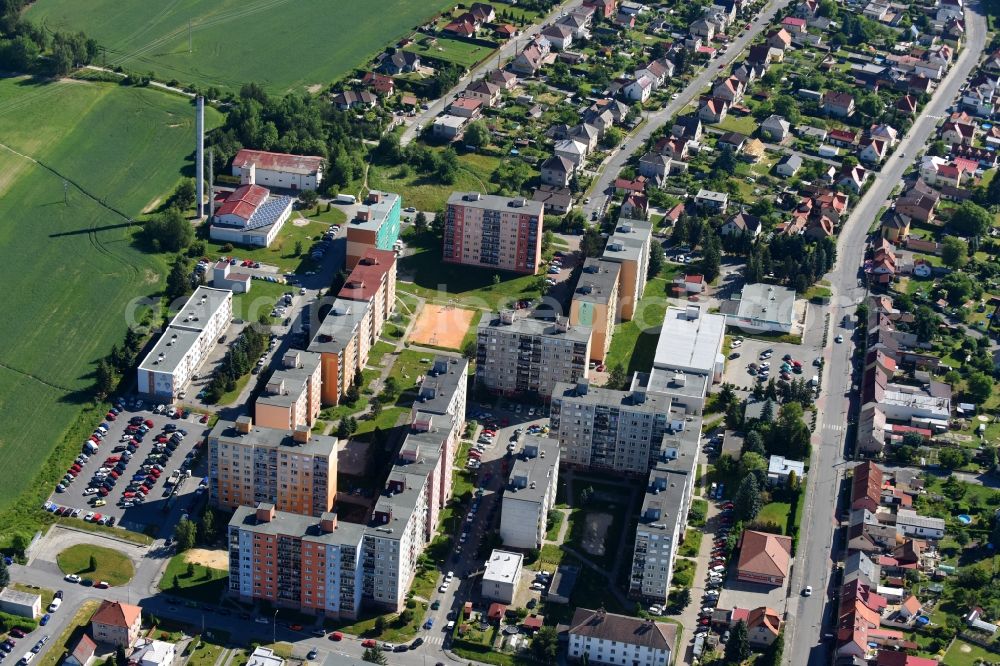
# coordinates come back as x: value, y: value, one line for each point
x: 204, y: 584
x: 967, y: 654
x: 205, y: 654
x: 426, y: 193
x: 692, y: 543
x: 633, y: 343
x: 281, y: 252
x: 395, y: 632
x: 467, y: 286
x: 743, y: 124
x: 259, y: 300
x: 231, y: 42
x: 448, y: 49
x: 775, y: 512
x: 108, y: 565
x: 68, y: 259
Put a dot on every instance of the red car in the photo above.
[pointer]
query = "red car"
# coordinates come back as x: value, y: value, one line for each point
x: 112, y: 459
x: 103, y: 492
x: 76, y: 467
x: 144, y: 490
x: 73, y: 472
x: 336, y: 636
x: 162, y: 439
x: 155, y: 473
x: 149, y: 423
x: 704, y: 621
x: 368, y: 643
x: 101, y: 585
x: 204, y: 419
x: 128, y: 494
x: 110, y: 416
x: 96, y: 517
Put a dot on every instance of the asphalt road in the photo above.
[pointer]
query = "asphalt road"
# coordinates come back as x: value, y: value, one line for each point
x: 505, y: 52
x: 613, y: 165
x: 810, y: 617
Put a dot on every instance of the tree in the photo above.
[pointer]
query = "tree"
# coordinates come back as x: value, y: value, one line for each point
x: 971, y: 219
x: 477, y: 134
x: 991, y: 194
x: 738, y: 647
x: 545, y: 645
x: 380, y: 624
x: 591, y: 245
x: 774, y: 653
x: 184, y: 535
x: 185, y: 194
x: 656, y: 258
x: 612, y: 137
x: 748, y: 498
x: 586, y: 495
x: 105, y: 379
x: 121, y: 659
x: 711, y: 259
x: 4, y: 573
x: 954, y: 457
x: 925, y: 323
x: 420, y: 222
x: 168, y: 231
x: 92, y: 564
x: 190, y: 569
x: 979, y: 387
x: 343, y: 429
x: 469, y: 350
x: 954, y: 251
x: 374, y: 654
x: 617, y: 377
x: 206, y: 528
x: 308, y: 198
x: 178, y: 280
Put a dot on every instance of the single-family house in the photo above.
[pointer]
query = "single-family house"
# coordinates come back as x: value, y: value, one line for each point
x: 559, y: 36
x: 960, y: 133
x: 657, y: 71
x: 733, y: 141
x: 794, y: 24
x: 775, y: 128
x: 872, y: 151
x: 638, y: 90
x: 704, y: 29
x: 764, y: 558
x: 354, y: 99
x: 789, y: 165
x: 399, y: 62
x: 557, y: 171
x: 574, y: 151
x: 466, y: 107
x: 838, y: 104
x: 715, y: 202
x: 713, y: 110
x: 485, y: 91
x: 687, y: 127
x: 779, y: 39
x: 730, y: 89
x: 742, y: 223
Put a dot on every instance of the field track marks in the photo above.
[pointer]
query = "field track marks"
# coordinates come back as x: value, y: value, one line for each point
x: 92, y: 233
x: 147, y: 25
x: 218, y: 19
x: 41, y: 381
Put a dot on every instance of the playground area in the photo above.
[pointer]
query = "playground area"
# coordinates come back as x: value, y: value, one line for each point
x: 441, y: 326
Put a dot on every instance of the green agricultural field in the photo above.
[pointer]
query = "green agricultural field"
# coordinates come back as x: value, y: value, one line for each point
x: 67, y: 261
x: 281, y: 44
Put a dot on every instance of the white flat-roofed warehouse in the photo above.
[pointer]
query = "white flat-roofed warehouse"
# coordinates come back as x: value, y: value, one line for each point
x: 291, y: 172
x: 762, y: 307
x: 691, y: 341
x: 250, y: 216
x: 185, y: 343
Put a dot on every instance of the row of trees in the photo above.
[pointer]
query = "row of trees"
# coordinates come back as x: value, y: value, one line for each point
x: 238, y: 361
x: 791, y: 260
x: 23, y: 46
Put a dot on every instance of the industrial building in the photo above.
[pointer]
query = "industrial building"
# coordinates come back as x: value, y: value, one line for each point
x: 168, y: 368
x: 250, y: 216
x: 525, y: 356
x: 493, y: 232
x: 280, y: 170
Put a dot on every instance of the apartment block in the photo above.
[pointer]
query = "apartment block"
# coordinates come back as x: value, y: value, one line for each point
x: 493, y: 232
x: 373, y: 282
x: 343, y: 341
x: 620, y: 431
x: 292, y: 395
x: 185, y: 343
x: 375, y: 226
x: 525, y: 356
x: 530, y: 493
x: 418, y: 486
x: 662, y: 521
x: 294, y: 470
x: 600, y: 637
x: 629, y: 246
x: 294, y: 561
x: 595, y: 303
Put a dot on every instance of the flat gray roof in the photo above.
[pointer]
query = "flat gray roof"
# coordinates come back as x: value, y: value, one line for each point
x: 530, y: 326
x: 200, y: 307
x: 225, y: 431
x: 537, y: 469
x: 598, y: 281
x: 184, y: 329
x: 174, y: 344
x: 495, y: 202
x: 339, y: 327
x: 294, y: 524
x: 440, y: 383
x: 667, y: 381
x: 655, y: 403
x: 293, y: 378
x: 690, y: 339
x: 767, y: 302
x: 377, y: 212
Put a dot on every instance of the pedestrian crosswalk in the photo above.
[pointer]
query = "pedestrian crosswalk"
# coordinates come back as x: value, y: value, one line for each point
x: 434, y: 640
x: 835, y: 427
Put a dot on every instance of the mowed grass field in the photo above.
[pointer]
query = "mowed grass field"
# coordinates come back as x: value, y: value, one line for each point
x: 69, y: 271
x: 281, y: 44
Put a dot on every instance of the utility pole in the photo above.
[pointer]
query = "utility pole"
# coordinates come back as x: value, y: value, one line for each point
x: 190, y: 43
x: 65, y: 192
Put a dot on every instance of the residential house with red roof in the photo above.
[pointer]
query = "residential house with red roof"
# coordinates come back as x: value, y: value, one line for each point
x: 866, y: 486
x: 763, y: 626
x: 794, y: 24
x: 764, y: 558
x: 839, y: 104
x: 117, y: 624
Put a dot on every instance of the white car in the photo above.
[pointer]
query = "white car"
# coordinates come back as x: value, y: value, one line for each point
x: 54, y: 606
x: 808, y: 591
x: 839, y: 339
x: 718, y: 568
x: 443, y: 588
x: 450, y: 575
x: 72, y: 578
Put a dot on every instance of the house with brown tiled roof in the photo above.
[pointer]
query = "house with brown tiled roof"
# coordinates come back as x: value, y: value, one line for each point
x: 838, y: 104
x: 116, y: 623
x: 713, y: 110
x: 763, y: 626
x: 764, y: 558
x: 779, y: 39
x: 866, y: 486
x: 599, y: 636
x: 82, y: 653
x: 907, y: 104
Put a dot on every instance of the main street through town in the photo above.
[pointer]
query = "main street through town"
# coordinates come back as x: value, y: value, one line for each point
x: 613, y: 165
x: 810, y: 618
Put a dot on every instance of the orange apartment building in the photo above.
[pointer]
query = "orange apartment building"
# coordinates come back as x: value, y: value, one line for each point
x: 293, y: 469
x: 292, y: 395
x: 595, y: 303
x: 343, y: 341
x: 373, y: 281
x: 493, y: 232
x: 294, y: 561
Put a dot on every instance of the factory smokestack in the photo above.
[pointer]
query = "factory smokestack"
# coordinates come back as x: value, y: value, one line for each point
x: 200, y: 157
x: 211, y: 183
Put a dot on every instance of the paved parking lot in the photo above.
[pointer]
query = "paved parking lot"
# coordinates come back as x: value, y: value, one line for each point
x: 155, y: 509
x: 749, y: 352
